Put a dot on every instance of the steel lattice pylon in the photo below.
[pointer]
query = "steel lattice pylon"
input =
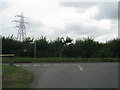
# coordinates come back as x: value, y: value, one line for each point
x: 21, y: 27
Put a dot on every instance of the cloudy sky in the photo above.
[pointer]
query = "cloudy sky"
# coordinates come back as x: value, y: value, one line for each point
x: 60, y: 18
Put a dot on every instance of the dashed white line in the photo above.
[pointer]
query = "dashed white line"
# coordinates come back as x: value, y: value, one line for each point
x: 23, y: 65
x: 17, y: 65
x: 80, y: 68
x: 27, y: 65
x: 35, y: 65
x: 46, y: 65
x: 39, y: 65
x: 55, y: 64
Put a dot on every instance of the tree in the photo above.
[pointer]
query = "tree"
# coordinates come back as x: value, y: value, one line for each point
x: 87, y: 47
x: 61, y: 47
x: 42, y: 47
x: 56, y: 47
x: 114, y: 47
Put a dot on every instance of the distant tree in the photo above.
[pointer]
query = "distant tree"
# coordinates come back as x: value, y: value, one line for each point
x: 61, y: 47
x: 10, y: 45
x: 104, y: 51
x: 78, y: 48
x: 114, y: 47
x: 56, y: 47
x: 87, y: 47
x: 42, y: 47
x: 27, y: 47
x: 66, y: 41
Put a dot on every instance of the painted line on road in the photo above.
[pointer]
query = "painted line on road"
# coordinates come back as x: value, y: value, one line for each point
x: 81, y: 69
x: 39, y: 65
x: 34, y: 65
x: 17, y: 65
x: 24, y: 65
x: 27, y: 65
x: 46, y: 65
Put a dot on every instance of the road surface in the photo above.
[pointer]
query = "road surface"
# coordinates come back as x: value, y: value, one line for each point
x: 73, y: 75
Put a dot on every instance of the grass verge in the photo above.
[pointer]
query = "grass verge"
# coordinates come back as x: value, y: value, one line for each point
x: 57, y: 59
x: 15, y: 77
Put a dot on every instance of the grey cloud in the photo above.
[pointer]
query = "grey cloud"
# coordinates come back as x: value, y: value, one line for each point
x: 108, y: 10
x: 89, y: 31
x: 119, y: 19
x: 119, y: 10
x: 4, y: 5
x: 33, y: 24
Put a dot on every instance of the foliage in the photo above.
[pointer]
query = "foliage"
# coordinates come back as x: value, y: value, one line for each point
x: 61, y: 47
x: 87, y: 47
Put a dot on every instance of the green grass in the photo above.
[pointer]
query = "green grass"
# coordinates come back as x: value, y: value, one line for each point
x: 15, y: 77
x: 57, y: 59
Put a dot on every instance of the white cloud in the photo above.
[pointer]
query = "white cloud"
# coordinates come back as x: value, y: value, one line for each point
x: 49, y: 18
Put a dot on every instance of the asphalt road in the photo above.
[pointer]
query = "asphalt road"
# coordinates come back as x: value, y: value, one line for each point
x: 73, y: 75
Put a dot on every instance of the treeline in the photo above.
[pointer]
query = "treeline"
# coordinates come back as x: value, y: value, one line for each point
x: 61, y: 47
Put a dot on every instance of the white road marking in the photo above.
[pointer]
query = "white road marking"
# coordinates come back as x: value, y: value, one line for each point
x: 39, y: 65
x: 23, y: 65
x: 35, y: 65
x: 46, y: 65
x: 80, y: 68
x: 17, y: 65
x: 27, y: 65
x: 54, y: 64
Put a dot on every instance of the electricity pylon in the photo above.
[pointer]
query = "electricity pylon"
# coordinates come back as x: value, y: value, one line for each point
x: 21, y: 27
